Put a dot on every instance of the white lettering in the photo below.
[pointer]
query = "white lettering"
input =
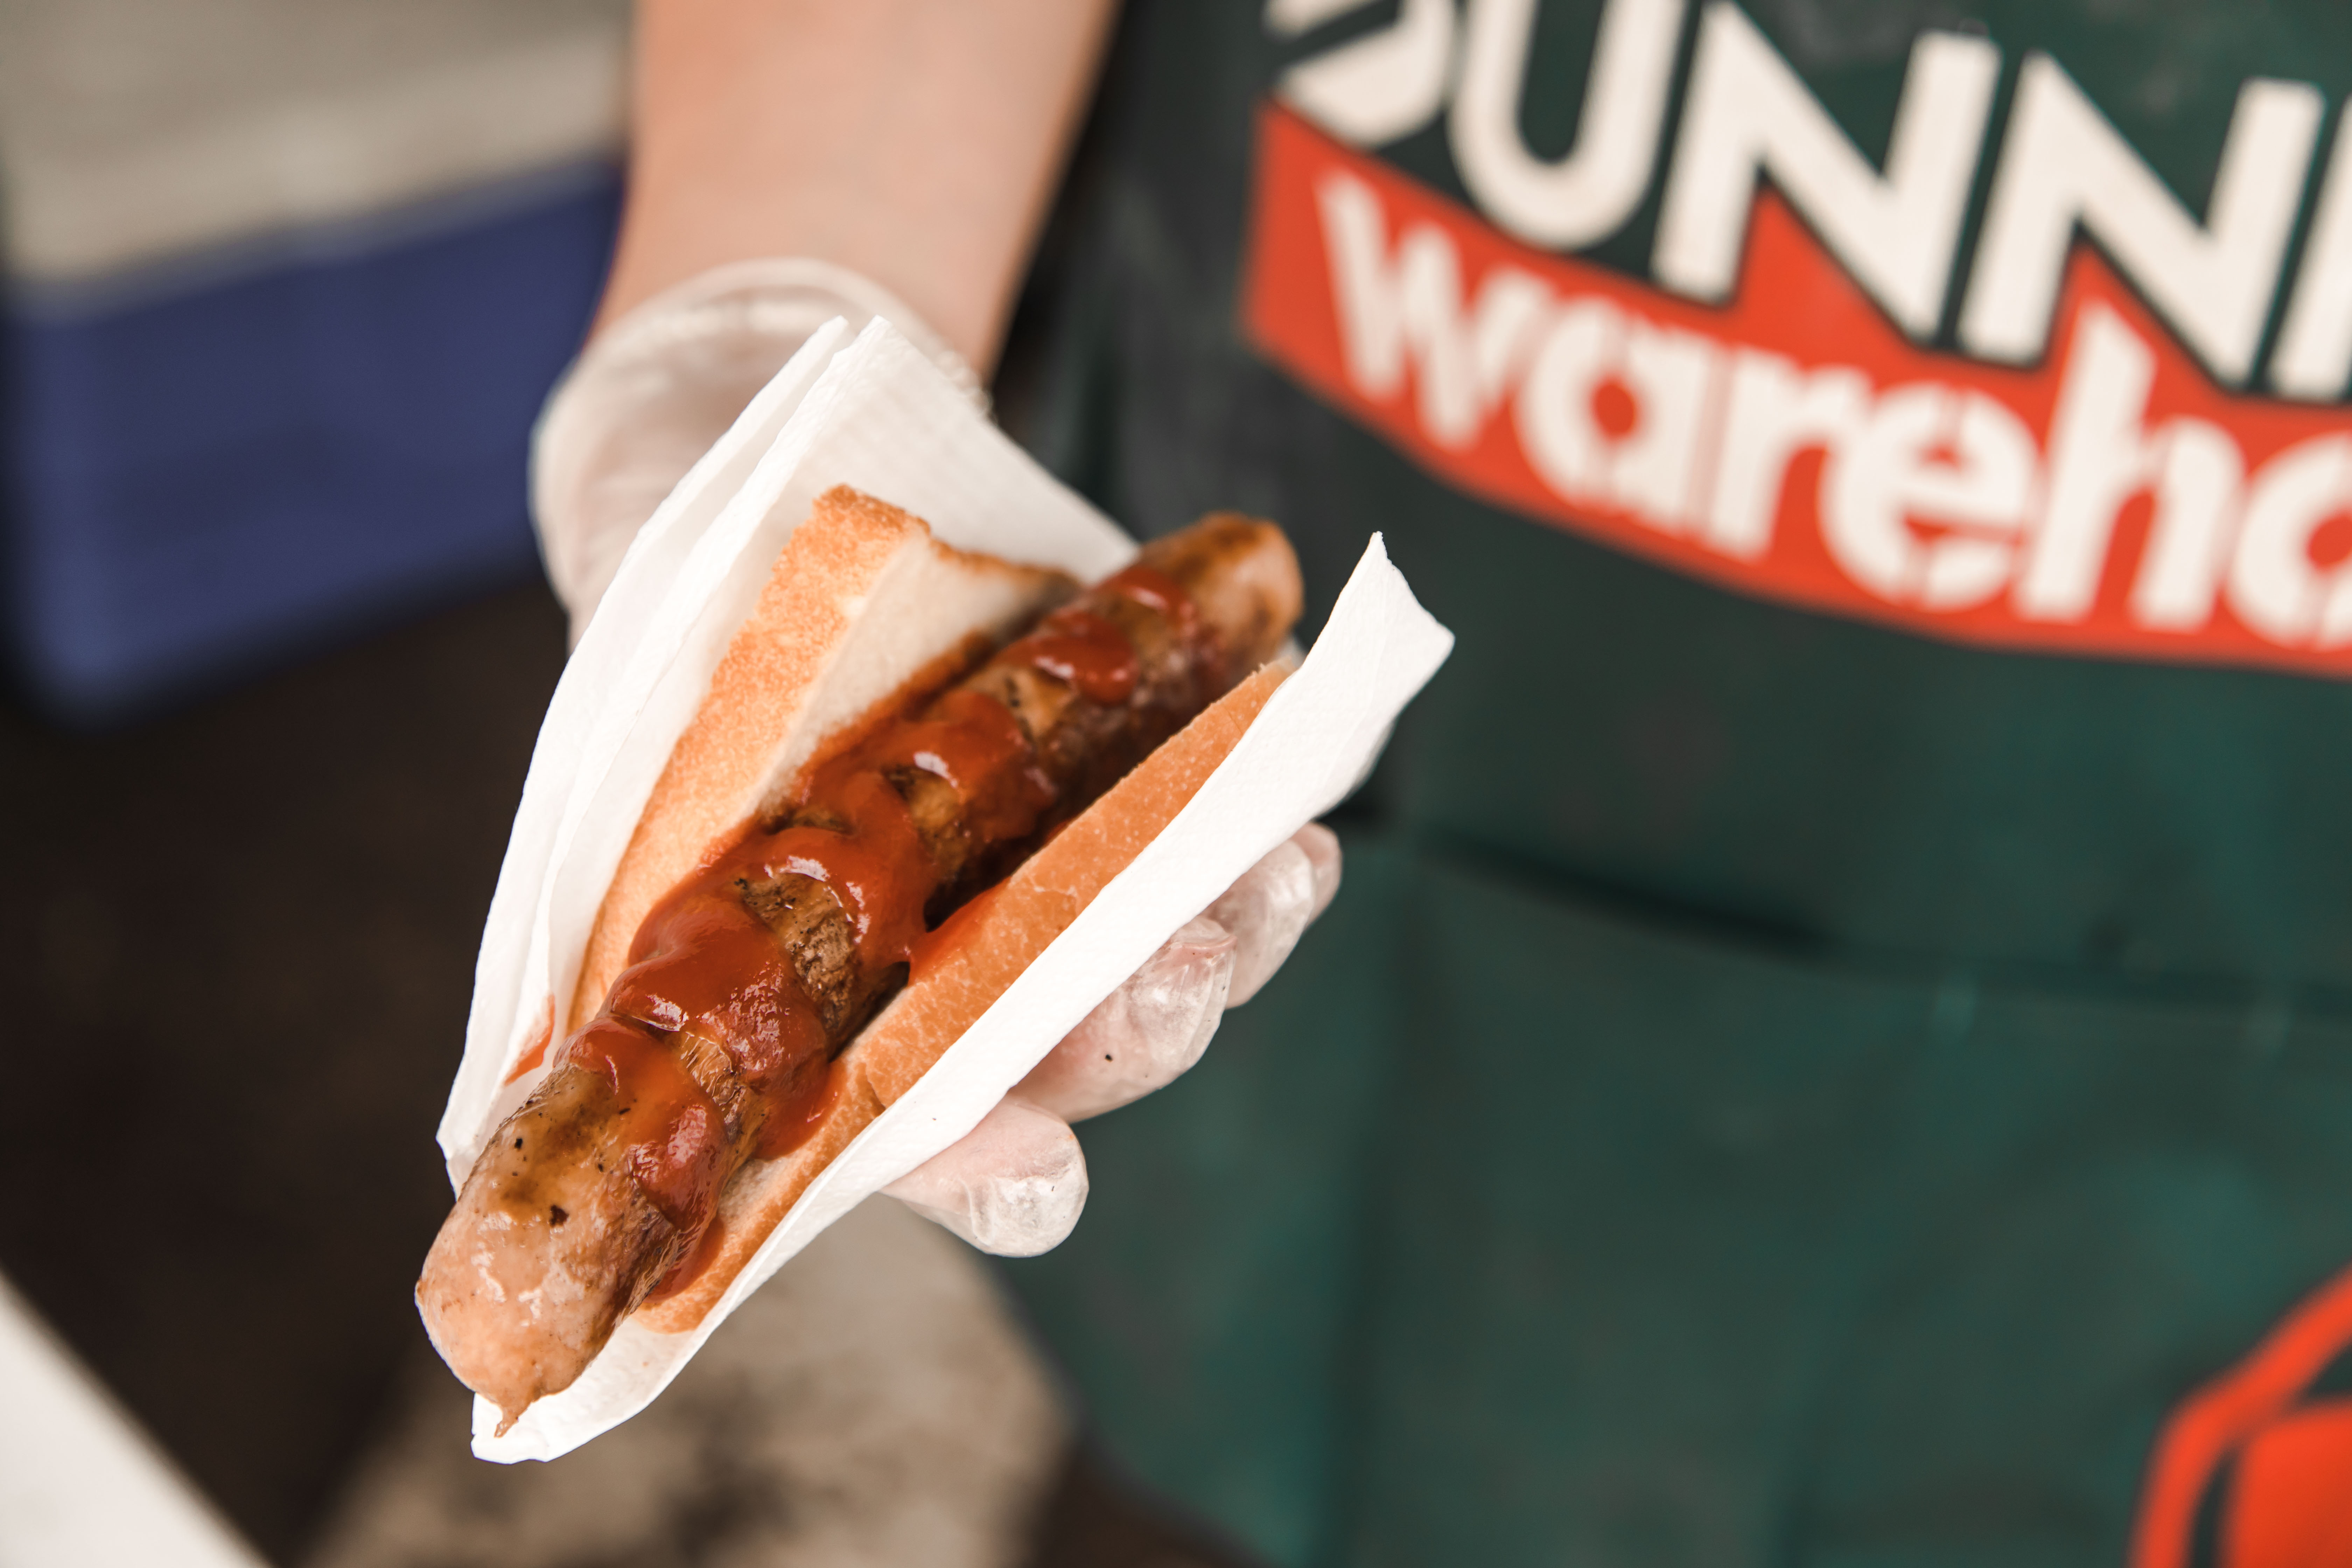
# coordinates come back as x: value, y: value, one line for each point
x: 1564, y: 444
x: 2200, y: 472
x: 1411, y: 308
x: 1746, y: 110
x: 2100, y: 457
x: 1288, y: 19
x: 2063, y: 163
x: 1892, y: 475
x: 2273, y: 585
x: 2314, y: 357
x: 1651, y: 469
x: 1587, y: 195
x: 1658, y: 465
x: 1374, y: 89
x: 1931, y: 495
x: 1774, y: 411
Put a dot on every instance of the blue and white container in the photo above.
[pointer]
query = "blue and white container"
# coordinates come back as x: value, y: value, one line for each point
x: 287, y: 282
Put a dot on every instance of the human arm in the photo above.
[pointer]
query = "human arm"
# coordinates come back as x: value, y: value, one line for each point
x: 916, y: 143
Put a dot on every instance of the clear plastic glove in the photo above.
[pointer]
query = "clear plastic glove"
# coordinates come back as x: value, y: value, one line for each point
x: 659, y: 385
x: 642, y: 404
x: 1015, y: 1184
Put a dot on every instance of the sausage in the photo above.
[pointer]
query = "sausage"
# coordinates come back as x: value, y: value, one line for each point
x: 714, y: 1046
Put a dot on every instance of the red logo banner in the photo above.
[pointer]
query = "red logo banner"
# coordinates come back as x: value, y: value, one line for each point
x: 2257, y: 1445
x: 1795, y: 446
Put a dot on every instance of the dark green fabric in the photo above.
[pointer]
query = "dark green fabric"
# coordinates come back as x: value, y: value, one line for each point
x: 1695, y: 1253
x: 1773, y: 1090
x: 1867, y: 790
x: 1212, y: 1302
x: 1504, y: 1230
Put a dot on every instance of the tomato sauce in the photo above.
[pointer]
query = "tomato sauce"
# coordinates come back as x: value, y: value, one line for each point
x: 1083, y: 649
x: 673, y: 1138
x: 705, y: 963
x: 971, y: 742
x: 1154, y: 589
x: 529, y: 1061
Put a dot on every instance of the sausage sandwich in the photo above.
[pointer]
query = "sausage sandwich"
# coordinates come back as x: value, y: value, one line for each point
x: 913, y: 768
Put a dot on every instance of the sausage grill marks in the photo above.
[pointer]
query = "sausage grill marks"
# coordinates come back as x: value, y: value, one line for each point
x: 715, y: 1046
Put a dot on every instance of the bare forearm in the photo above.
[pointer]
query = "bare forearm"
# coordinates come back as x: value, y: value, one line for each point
x: 916, y: 142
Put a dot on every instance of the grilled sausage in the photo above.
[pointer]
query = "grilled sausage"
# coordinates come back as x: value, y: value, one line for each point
x: 750, y: 977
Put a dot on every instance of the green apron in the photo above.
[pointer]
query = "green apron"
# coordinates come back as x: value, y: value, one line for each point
x: 1777, y: 1088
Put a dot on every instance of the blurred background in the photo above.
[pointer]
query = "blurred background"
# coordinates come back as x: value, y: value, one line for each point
x: 286, y: 283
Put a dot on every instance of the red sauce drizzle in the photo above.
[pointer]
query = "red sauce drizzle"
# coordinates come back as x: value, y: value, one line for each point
x: 1081, y: 648
x: 973, y: 742
x: 877, y: 869
x: 793, y: 1120
x: 1149, y: 587
x: 675, y: 1142
x: 702, y: 961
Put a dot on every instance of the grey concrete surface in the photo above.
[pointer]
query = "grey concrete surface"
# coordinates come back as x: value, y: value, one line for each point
x: 873, y: 1404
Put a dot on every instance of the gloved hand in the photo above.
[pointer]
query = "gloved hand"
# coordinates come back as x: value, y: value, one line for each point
x: 631, y: 416
x: 660, y: 384
x: 1015, y: 1184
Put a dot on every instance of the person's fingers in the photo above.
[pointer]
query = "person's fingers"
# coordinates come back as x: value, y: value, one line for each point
x: 1322, y: 849
x: 1014, y: 1185
x: 1144, y: 1034
x: 1156, y: 1025
x: 1269, y: 908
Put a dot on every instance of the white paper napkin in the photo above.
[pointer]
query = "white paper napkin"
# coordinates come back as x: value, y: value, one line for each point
x: 873, y: 414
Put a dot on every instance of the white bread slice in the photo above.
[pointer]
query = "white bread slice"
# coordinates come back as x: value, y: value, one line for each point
x: 863, y: 606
